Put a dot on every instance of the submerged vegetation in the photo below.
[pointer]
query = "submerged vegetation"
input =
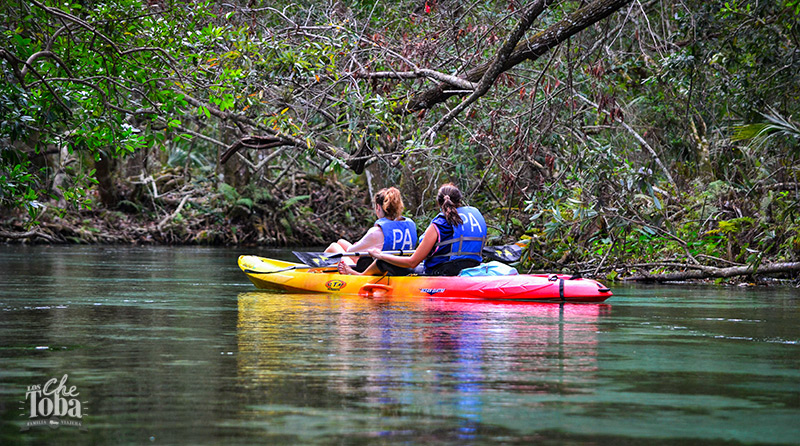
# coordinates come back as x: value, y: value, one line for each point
x: 623, y: 139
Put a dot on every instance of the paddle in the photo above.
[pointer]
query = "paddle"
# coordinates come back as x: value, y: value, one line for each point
x: 288, y: 268
x: 321, y: 259
x: 504, y: 253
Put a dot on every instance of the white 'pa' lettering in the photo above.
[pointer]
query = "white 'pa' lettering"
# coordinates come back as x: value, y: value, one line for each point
x: 401, y: 239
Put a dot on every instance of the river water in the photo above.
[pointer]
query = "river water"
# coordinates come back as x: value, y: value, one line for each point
x: 165, y: 345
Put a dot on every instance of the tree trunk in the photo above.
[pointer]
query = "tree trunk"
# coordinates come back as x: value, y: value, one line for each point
x: 105, y: 182
x: 706, y: 272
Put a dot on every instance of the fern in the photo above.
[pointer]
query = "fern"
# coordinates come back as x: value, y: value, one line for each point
x: 760, y: 132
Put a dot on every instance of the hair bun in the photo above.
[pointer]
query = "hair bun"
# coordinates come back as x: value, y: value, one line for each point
x: 391, y: 202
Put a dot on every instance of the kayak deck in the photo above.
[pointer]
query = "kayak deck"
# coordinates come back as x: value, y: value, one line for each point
x: 295, y: 277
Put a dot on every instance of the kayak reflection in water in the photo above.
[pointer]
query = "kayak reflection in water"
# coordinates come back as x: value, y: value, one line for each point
x: 452, y: 242
x: 391, y: 232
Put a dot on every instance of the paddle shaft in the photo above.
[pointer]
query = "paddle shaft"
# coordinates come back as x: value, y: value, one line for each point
x: 363, y: 254
x: 337, y: 255
x: 505, y: 253
x: 289, y: 268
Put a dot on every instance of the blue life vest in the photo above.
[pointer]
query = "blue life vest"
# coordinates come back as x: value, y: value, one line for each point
x: 464, y: 241
x: 398, y: 235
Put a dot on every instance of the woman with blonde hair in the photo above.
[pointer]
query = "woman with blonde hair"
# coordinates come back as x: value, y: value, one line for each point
x: 453, y: 241
x: 391, y: 232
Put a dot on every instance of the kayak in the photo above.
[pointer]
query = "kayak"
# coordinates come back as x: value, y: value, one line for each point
x: 295, y: 277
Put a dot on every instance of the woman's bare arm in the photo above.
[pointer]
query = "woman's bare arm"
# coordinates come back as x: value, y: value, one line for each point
x: 372, y: 239
x: 429, y: 240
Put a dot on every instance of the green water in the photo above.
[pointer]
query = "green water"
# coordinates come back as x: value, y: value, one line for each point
x: 175, y: 346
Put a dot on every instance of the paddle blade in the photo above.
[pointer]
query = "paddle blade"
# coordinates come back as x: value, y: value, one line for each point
x: 317, y: 259
x: 505, y: 253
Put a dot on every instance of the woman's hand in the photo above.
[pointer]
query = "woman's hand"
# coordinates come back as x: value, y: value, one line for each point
x: 375, y: 253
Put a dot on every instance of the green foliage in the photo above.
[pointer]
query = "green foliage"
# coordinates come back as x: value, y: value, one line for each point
x: 246, y: 202
x: 712, y: 90
x: 760, y: 133
x: 294, y: 200
x: 18, y: 190
x: 229, y: 192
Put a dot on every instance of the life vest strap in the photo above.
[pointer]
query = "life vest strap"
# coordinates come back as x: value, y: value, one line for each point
x: 460, y: 246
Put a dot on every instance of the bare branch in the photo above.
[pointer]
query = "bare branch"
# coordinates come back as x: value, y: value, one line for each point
x: 41, y: 54
x: 416, y: 74
x: 29, y: 234
x: 495, y: 68
x: 529, y: 49
x: 704, y: 272
x: 638, y: 137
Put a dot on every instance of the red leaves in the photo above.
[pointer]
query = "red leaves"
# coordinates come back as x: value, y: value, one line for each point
x: 549, y: 88
x: 549, y: 161
x: 608, y: 103
x: 597, y: 70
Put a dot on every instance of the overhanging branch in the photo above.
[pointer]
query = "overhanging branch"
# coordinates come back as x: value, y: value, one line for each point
x: 417, y: 74
x: 494, y: 69
x: 529, y: 49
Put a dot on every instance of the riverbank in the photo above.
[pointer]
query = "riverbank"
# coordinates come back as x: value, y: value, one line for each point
x: 248, y: 227
x: 318, y: 210
x: 313, y: 213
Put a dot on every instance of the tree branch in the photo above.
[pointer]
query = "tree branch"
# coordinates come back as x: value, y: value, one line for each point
x: 529, y: 49
x: 416, y: 74
x: 704, y: 272
x: 65, y: 16
x: 28, y: 234
x: 250, y: 142
x: 41, y: 54
x: 638, y: 137
x: 494, y: 69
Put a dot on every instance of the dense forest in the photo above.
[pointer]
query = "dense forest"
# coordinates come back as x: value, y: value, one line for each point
x: 616, y: 138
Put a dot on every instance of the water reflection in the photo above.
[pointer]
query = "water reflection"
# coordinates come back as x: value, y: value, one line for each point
x: 442, y: 361
x: 162, y: 344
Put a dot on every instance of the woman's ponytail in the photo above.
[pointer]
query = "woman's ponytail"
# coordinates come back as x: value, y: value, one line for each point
x: 449, y: 199
x: 391, y: 202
